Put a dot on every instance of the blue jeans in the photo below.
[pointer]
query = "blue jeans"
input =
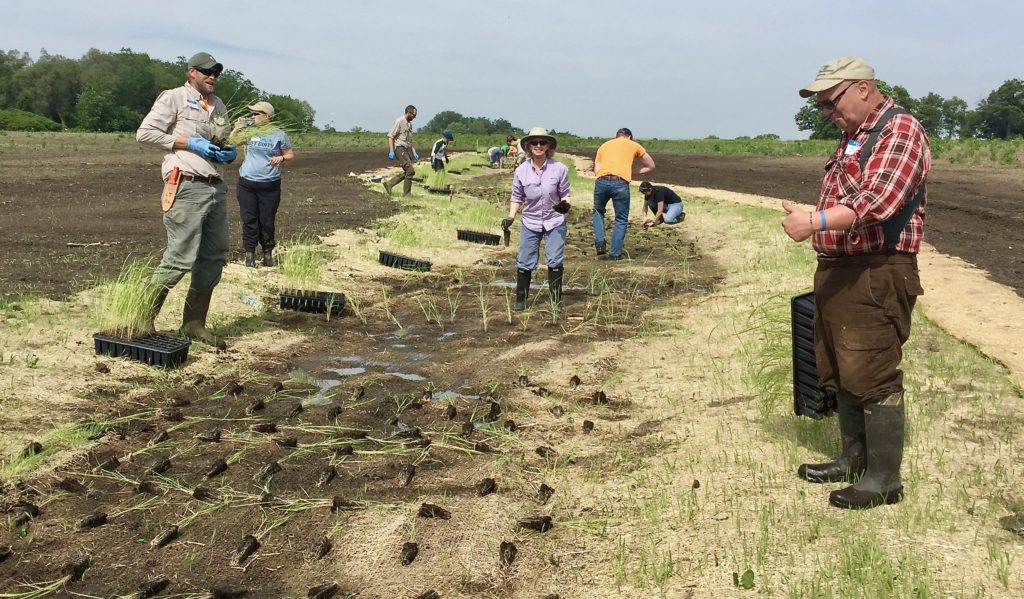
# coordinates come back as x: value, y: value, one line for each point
x: 529, y: 247
x: 618, y: 192
x: 670, y: 213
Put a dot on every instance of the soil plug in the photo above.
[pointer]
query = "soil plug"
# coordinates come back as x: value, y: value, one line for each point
x: 588, y: 426
x: 422, y: 443
x: 483, y: 447
x: 75, y: 569
x: 263, y: 427
x: 158, y: 438
x: 467, y: 429
x: 486, y: 487
x: 428, y: 595
x: 510, y: 425
x: 407, y: 474
x: 341, y: 504
x: 427, y: 395
x: 268, y: 470
x: 111, y: 463
x: 204, y: 494
x: 277, y: 387
x: 294, y: 411
x: 325, y: 477
x: 222, y: 593
x: 546, y: 452
x: 323, y: 548
x: 247, y: 547
x: 696, y: 484
x: 344, y: 450
x: 537, y: 523
x: 178, y: 401
x: 333, y: 412
x: 198, y: 380
x: 557, y: 411
x: 33, y: 448
x: 5, y: 552
x: 160, y: 466
x: 210, y: 437
x: 323, y: 591
x: 541, y: 392
x: 358, y: 392
x: 495, y: 411
x: 523, y: 380
x: 290, y: 442
x: 235, y: 388
x: 170, y: 414
x: 72, y: 485
x: 153, y: 587
x: 599, y: 397
x: 102, y: 368
x: 166, y: 536
x: 148, y: 487
x: 255, y: 406
x: 450, y: 412
x: 216, y: 468
x: 429, y: 510
x: 409, y: 552
x: 92, y: 521
x: 574, y: 381
x: 544, y: 493
x: 507, y: 552
x: 25, y: 511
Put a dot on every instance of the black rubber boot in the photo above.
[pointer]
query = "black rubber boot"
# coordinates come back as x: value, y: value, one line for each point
x: 268, y: 257
x: 250, y: 259
x: 522, y: 288
x: 881, y: 485
x: 193, y: 321
x: 555, y: 287
x: 850, y: 465
x: 149, y: 326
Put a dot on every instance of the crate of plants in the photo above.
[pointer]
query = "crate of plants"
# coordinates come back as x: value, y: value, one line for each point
x: 477, y: 237
x: 437, y: 183
x: 403, y: 262
x: 317, y: 302
x: 301, y: 269
x: 123, y: 313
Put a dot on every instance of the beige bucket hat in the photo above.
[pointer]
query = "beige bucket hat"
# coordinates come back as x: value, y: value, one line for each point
x: 538, y: 132
x: 834, y: 72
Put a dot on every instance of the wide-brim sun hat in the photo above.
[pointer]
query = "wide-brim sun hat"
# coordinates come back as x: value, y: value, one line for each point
x: 834, y: 72
x: 538, y: 133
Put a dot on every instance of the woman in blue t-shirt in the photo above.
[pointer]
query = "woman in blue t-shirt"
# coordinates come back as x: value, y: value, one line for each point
x: 259, y: 182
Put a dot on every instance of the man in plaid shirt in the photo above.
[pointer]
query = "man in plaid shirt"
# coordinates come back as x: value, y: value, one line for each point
x: 867, y: 278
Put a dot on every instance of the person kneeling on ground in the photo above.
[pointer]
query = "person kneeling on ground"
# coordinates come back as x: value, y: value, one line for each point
x: 540, y: 187
x: 666, y: 205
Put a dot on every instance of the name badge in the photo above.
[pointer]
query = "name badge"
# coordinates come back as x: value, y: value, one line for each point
x: 852, y: 147
x: 192, y: 104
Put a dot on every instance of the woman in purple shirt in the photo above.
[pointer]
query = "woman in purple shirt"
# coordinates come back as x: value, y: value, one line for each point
x: 540, y: 188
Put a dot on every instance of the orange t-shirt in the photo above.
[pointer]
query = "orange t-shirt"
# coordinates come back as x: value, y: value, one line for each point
x: 616, y: 156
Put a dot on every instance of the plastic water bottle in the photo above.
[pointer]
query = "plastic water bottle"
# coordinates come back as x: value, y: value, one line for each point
x: 255, y: 302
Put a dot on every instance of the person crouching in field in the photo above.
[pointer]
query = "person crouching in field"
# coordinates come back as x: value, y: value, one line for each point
x: 666, y: 205
x: 540, y: 187
x: 439, y: 152
x: 259, y: 183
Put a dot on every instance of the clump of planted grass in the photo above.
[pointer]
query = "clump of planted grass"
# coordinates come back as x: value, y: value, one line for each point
x: 124, y: 306
x: 438, y: 180
x: 302, y: 264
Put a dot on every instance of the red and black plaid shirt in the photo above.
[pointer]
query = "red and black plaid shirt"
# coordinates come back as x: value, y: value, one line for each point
x: 897, y: 169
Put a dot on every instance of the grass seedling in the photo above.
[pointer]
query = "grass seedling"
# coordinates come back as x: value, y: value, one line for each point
x: 125, y: 304
x: 482, y: 297
x: 453, y: 304
x: 302, y: 264
x: 508, y: 306
x: 387, y: 308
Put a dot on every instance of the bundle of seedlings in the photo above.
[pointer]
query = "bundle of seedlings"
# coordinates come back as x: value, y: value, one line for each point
x: 438, y: 182
x: 301, y: 268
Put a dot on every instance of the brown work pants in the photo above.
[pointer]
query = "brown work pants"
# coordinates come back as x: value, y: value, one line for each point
x: 404, y: 157
x: 861, y: 321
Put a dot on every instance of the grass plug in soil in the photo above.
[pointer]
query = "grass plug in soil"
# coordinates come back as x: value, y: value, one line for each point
x: 216, y: 468
x: 486, y: 487
x: 537, y: 523
x: 322, y: 548
x: 409, y: 553
x: 429, y: 510
x: 166, y: 536
x: 72, y: 485
x: 323, y: 591
x: 153, y: 587
x: 544, y: 493
x: 507, y: 553
x: 246, y: 548
x: 92, y: 521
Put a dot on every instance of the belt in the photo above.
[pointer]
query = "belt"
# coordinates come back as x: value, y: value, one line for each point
x: 615, y: 177
x: 868, y: 259
x: 209, y: 179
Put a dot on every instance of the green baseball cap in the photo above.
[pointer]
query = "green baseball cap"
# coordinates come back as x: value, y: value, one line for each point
x: 834, y: 72
x: 204, y: 60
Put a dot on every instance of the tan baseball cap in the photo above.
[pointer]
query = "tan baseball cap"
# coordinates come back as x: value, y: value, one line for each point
x: 834, y: 72
x: 264, y: 107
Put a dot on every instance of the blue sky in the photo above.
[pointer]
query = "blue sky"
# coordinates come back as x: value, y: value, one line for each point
x: 665, y: 68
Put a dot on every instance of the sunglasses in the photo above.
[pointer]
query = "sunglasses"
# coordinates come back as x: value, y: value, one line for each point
x: 830, y: 104
x: 208, y: 72
x: 539, y: 142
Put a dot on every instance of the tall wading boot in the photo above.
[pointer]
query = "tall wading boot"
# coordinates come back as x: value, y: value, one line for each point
x: 555, y: 287
x: 149, y: 325
x: 881, y: 485
x: 193, y: 321
x: 250, y: 259
x: 850, y: 465
x: 268, y: 257
x: 522, y: 288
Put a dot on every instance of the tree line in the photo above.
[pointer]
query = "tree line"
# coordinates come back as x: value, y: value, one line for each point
x: 113, y: 91
x: 998, y: 116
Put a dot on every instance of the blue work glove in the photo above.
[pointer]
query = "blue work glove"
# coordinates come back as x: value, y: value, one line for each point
x: 415, y: 156
x: 227, y: 155
x: 391, y: 155
x: 203, y: 147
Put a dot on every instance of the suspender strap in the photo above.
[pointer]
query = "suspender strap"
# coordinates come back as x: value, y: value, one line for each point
x: 894, y: 226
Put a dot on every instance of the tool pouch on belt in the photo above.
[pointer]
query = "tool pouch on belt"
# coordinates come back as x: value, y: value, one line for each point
x: 170, y: 189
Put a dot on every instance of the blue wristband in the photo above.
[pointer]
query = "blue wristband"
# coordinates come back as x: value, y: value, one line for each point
x: 823, y: 225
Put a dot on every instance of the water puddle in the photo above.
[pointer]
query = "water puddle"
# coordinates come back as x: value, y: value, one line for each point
x: 451, y: 395
x: 408, y: 377
x: 347, y: 371
x: 447, y: 335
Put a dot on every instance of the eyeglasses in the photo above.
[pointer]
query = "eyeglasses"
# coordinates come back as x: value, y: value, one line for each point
x: 208, y: 72
x: 830, y: 104
x: 539, y: 142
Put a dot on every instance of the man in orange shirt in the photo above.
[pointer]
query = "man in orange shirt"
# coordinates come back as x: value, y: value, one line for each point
x: 614, y: 167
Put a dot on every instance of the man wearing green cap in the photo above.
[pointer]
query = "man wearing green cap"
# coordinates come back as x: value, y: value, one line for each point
x: 187, y: 123
x: 866, y: 230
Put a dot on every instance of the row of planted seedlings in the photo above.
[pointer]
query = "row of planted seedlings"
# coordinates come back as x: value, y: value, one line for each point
x: 248, y: 459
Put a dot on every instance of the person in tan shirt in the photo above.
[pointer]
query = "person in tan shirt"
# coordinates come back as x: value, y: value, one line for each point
x: 183, y: 122
x: 401, y: 146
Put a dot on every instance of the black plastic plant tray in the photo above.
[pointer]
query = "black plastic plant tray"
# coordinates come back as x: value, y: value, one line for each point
x: 403, y: 262
x: 317, y: 302
x: 441, y: 191
x: 805, y: 369
x: 155, y: 350
x: 477, y: 237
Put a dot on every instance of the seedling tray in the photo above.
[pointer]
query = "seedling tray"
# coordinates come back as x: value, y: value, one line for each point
x: 155, y: 350
x: 805, y: 369
x: 477, y: 237
x: 403, y: 262
x: 440, y: 191
x: 316, y: 302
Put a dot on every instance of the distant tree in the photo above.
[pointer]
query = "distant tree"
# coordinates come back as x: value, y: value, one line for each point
x: 810, y: 118
x: 768, y: 137
x: 50, y: 87
x: 97, y: 110
x: 1001, y: 114
x: 297, y: 115
x: 442, y: 121
x: 11, y: 62
x: 929, y: 113
x: 955, y: 117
